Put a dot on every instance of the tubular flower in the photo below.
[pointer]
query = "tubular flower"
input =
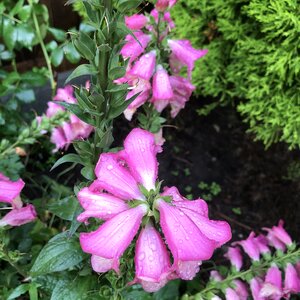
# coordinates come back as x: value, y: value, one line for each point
x: 19, y: 216
x: 72, y: 130
x: 10, y: 191
x: 255, y: 287
x: 235, y: 257
x: 272, y: 286
x: 125, y: 193
x: 184, y: 54
x: 280, y: 233
x: 250, y: 246
x: 291, y: 280
x: 136, y: 22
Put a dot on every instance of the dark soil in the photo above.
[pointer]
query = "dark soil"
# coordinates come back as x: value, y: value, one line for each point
x: 217, y: 149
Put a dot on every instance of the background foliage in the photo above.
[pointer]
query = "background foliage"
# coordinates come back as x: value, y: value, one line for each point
x: 253, y: 60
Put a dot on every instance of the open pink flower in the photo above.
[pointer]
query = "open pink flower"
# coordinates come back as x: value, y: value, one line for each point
x: 19, y: 216
x: 10, y: 191
x: 123, y: 194
x: 183, y: 54
x: 250, y: 246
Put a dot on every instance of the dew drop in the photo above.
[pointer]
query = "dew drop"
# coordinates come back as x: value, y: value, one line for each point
x: 110, y: 167
x: 142, y: 256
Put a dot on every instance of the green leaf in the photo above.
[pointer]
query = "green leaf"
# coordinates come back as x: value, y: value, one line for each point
x: 127, y: 5
x: 25, y: 13
x: 25, y: 35
x: 18, y: 291
x: 71, y: 53
x: 88, y: 172
x: 9, y: 34
x: 71, y: 157
x: 81, y: 70
x: 26, y: 96
x: 64, y: 208
x: 16, y: 8
x: 168, y: 292
x: 76, y: 110
x: 116, y: 73
x: 71, y: 289
x: 61, y: 253
x: 6, y: 55
x: 58, y: 34
x: 57, y: 56
x: 51, y: 46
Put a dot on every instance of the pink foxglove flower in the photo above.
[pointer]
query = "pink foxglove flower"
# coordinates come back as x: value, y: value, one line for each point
x: 280, y: 233
x: 152, y: 261
x: 250, y: 247
x: 145, y: 66
x: 73, y: 129
x: 182, y: 89
x: 231, y: 294
x: 235, y: 257
x: 162, y: 5
x: 255, y: 286
x: 19, y: 216
x: 241, y: 289
x: 184, y: 54
x: 136, y: 22
x: 129, y: 176
x: 10, y: 191
x: 291, y: 281
x: 162, y: 90
x: 133, y: 48
x: 272, y: 287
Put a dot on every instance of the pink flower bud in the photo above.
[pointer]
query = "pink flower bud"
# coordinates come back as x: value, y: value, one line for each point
x: 235, y: 257
x: 249, y: 245
x: 291, y: 281
x: 272, y: 286
x: 280, y: 233
x: 136, y: 22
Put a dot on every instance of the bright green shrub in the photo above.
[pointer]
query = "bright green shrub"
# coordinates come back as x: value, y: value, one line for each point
x: 253, y: 59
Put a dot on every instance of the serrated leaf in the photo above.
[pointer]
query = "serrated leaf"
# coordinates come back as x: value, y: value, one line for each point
x: 81, y: 70
x: 71, y: 157
x: 61, y: 253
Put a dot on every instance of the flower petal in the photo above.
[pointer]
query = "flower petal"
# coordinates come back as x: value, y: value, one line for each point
x: 185, y: 240
x: 99, y: 205
x: 114, y: 236
x: 218, y: 231
x: 101, y: 264
x: 141, y: 153
x: 115, y: 178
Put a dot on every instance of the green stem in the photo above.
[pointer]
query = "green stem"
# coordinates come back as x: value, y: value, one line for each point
x: 232, y: 277
x: 46, y: 55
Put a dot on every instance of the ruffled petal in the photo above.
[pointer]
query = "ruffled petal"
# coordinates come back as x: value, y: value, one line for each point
x: 99, y: 205
x: 141, y: 153
x: 114, y: 236
x: 115, y: 178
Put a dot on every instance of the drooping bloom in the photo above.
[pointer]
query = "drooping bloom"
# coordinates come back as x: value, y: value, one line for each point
x: 74, y: 129
x: 10, y: 191
x: 255, y: 286
x: 250, y: 246
x: 183, y: 54
x: 162, y: 89
x: 272, y: 286
x: 235, y: 257
x: 136, y: 21
x: 162, y: 5
x: 280, y: 233
x: 116, y: 197
x: 152, y: 261
x: 291, y: 281
x: 19, y: 216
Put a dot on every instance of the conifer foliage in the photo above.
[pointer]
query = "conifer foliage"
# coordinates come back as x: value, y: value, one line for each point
x: 253, y: 59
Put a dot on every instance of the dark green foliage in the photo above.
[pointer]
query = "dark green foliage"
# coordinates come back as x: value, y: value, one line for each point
x: 253, y: 59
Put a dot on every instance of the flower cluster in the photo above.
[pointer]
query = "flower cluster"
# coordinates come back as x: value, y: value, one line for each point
x: 10, y: 193
x: 73, y: 129
x: 126, y: 196
x: 268, y: 285
x: 155, y: 62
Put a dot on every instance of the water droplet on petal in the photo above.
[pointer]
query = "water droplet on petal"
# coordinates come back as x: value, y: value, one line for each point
x: 142, y: 256
x: 110, y: 167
